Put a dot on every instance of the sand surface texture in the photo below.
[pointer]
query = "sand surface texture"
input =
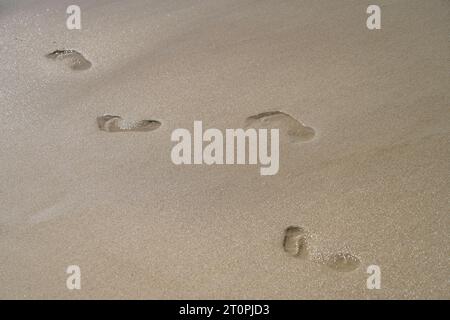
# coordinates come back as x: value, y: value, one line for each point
x: 86, y: 176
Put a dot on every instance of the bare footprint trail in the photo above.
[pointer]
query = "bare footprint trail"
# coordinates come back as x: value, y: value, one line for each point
x: 295, y: 243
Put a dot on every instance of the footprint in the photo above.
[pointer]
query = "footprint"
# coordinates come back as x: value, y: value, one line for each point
x: 290, y: 127
x: 111, y: 123
x: 74, y: 59
x: 343, y: 261
x: 296, y: 244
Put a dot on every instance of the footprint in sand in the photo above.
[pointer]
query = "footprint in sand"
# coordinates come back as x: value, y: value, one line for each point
x: 343, y: 261
x: 74, y: 59
x: 290, y: 127
x: 296, y: 244
x: 111, y: 123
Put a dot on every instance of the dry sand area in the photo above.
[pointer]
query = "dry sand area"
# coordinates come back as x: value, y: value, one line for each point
x: 86, y: 176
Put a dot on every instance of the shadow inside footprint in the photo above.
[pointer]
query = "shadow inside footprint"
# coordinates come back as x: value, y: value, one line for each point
x: 295, y: 243
x: 293, y: 129
x: 111, y: 123
x: 75, y: 60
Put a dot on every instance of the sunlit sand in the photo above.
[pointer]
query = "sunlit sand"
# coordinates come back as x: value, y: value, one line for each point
x: 87, y: 178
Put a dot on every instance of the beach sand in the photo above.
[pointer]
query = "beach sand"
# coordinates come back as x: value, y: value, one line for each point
x: 371, y: 184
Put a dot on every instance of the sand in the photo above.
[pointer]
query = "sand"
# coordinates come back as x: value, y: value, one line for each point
x: 371, y: 185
